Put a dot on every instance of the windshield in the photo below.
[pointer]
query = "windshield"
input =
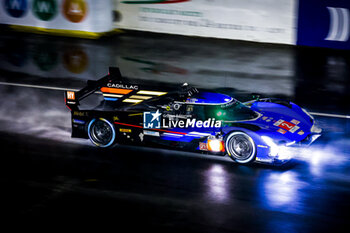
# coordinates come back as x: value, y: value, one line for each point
x: 233, y: 111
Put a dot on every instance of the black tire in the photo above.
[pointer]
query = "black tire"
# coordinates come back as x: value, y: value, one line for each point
x: 101, y: 132
x: 240, y: 147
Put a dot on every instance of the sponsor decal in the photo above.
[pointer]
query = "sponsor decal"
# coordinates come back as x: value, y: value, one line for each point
x: 176, y: 116
x: 286, y: 125
x: 16, y: 8
x: 191, y: 100
x: 45, y: 9
x: 71, y: 95
x: 267, y: 119
x: 294, y: 129
x: 203, y: 146
x: 75, y: 10
x: 152, y: 120
x: 209, y: 123
x: 77, y: 113
x: 151, y: 133
x: 122, y: 86
x: 282, y: 131
x: 80, y: 122
x: 262, y: 146
x: 295, y: 122
x: 125, y: 130
x: 301, y: 132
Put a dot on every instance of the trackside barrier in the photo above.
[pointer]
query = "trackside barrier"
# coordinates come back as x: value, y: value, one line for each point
x: 252, y: 20
x: 82, y: 18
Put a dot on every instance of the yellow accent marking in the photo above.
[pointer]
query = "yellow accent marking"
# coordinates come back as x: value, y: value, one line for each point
x: 125, y: 130
x: 132, y: 101
x: 158, y: 93
x: 136, y: 114
x: 142, y: 97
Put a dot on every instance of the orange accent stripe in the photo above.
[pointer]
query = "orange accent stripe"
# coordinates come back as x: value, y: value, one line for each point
x: 115, y: 90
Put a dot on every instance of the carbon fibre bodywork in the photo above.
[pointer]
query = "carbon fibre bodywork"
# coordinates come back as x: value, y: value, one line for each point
x: 269, y: 129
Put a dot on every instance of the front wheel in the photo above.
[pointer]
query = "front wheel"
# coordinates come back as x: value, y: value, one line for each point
x: 101, y: 132
x: 240, y: 147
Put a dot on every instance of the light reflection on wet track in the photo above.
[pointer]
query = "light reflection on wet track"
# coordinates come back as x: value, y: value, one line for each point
x: 168, y: 190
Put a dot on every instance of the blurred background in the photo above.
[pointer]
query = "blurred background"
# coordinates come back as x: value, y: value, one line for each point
x: 297, y: 50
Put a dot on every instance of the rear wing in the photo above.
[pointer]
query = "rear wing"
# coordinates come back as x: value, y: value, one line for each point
x: 72, y: 98
x: 123, y: 91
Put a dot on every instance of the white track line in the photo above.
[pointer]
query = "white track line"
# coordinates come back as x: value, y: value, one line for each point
x: 37, y: 86
x: 70, y: 89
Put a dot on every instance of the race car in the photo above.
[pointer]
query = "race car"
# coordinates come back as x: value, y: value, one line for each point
x: 267, y: 130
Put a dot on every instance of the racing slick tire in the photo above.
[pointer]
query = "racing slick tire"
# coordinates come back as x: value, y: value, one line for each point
x: 101, y: 132
x: 240, y: 147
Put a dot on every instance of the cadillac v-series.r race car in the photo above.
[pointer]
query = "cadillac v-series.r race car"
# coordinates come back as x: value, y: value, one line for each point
x: 265, y: 130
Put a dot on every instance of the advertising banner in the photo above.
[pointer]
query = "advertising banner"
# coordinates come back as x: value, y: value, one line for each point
x: 252, y: 20
x: 59, y: 15
x: 324, y: 23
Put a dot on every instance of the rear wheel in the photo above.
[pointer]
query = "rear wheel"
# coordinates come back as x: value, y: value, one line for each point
x: 101, y: 132
x: 240, y: 147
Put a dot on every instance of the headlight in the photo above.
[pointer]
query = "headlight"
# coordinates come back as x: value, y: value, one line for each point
x: 274, y: 148
x: 315, y: 129
x: 285, y: 153
x: 281, y: 152
x: 307, y: 113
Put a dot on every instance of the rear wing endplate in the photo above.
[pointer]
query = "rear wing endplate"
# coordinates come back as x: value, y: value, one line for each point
x: 72, y: 98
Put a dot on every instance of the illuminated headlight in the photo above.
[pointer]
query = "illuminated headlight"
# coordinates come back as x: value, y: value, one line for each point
x: 307, y: 113
x: 315, y: 129
x: 280, y: 152
x: 274, y: 148
x: 215, y: 144
x: 285, y: 153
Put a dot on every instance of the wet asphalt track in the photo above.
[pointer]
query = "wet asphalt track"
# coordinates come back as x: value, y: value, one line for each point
x: 48, y: 177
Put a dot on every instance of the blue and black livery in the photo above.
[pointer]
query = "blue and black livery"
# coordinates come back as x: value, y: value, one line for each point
x: 265, y: 130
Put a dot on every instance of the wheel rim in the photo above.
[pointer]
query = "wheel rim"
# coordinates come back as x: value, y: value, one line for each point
x: 101, y: 132
x: 241, y: 147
